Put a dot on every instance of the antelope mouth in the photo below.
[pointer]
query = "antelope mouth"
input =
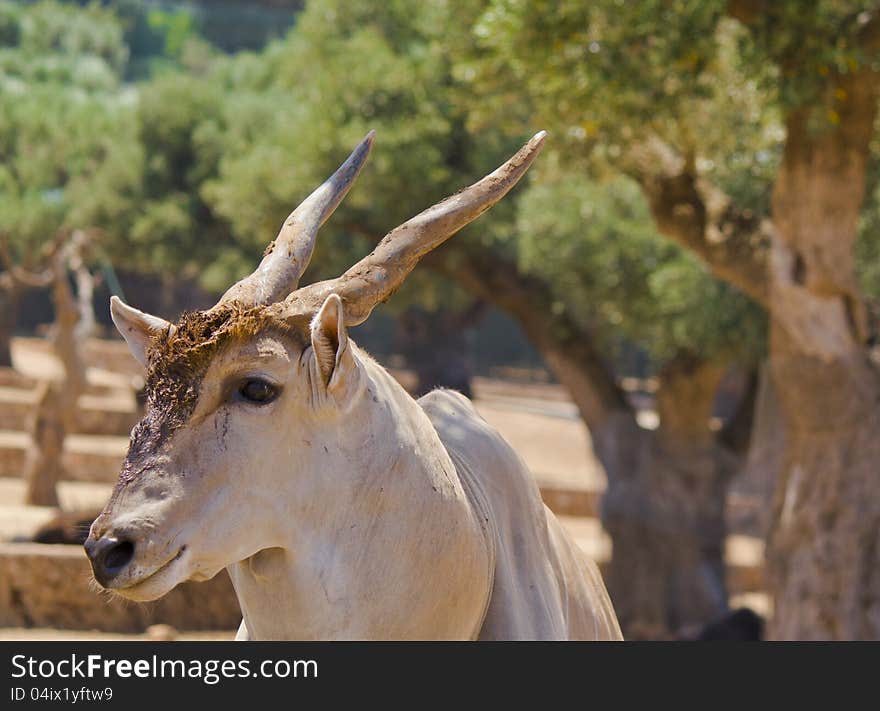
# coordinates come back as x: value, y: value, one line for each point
x: 154, y: 584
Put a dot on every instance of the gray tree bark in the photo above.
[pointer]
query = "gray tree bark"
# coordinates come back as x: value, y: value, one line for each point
x: 823, y: 547
x: 8, y: 316
x: 664, y: 506
x: 824, y: 542
x: 55, y: 413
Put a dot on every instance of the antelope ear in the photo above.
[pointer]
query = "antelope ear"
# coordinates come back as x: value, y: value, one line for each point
x: 136, y: 327
x: 330, y: 342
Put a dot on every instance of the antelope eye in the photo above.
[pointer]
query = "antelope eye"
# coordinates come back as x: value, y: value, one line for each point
x: 258, y: 391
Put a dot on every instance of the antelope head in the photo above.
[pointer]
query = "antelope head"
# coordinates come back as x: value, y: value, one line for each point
x: 247, y: 432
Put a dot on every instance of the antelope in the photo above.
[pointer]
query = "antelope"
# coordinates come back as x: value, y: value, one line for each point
x: 342, y: 508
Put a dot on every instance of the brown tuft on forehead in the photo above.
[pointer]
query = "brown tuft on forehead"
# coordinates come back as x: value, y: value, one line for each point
x: 179, y: 358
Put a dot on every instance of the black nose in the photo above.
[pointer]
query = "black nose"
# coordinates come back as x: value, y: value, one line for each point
x: 109, y: 557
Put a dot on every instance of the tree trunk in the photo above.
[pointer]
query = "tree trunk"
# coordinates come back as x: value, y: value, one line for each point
x: 824, y: 543
x: 43, y: 467
x: 823, y: 547
x: 8, y: 317
x: 56, y: 408
x: 435, y: 346
x: 823, y: 555
x: 666, y: 515
x: 664, y: 506
x: 751, y: 494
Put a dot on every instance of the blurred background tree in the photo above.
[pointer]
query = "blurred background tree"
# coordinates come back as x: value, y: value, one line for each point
x: 641, y: 244
x: 748, y: 126
x: 62, y: 109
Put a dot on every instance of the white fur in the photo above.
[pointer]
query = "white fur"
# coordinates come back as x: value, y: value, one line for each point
x: 345, y: 509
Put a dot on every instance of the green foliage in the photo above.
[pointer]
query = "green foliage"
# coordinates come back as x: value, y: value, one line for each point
x: 50, y: 42
x: 305, y: 102
x: 867, y: 248
x: 809, y: 44
x: 597, y: 245
x: 712, y: 79
x: 392, y: 70
x: 62, y: 110
x: 176, y: 26
x: 195, y: 169
x: 606, y: 76
x: 149, y: 200
x: 79, y: 148
x: 609, y: 51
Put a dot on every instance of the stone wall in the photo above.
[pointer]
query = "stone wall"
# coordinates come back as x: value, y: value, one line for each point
x: 51, y: 586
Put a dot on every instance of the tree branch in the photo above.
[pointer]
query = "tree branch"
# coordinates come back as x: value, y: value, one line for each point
x: 31, y: 278
x: 697, y: 215
x: 566, y: 346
